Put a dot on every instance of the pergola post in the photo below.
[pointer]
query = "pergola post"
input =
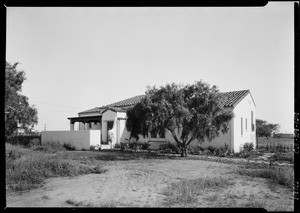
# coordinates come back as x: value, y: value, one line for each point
x: 86, y: 126
x: 71, y: 125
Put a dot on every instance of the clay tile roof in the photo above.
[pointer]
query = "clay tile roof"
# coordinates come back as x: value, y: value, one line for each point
x: 96, y: 109
x: 231, y: 99
x: 227, y: 99
x: 126, y: 102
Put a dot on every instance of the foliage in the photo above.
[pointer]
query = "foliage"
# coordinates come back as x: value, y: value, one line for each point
x: 265, y: 129
x: 248, y: 147
x: 188, y: 111
x: 195, y: 150
x: 49, y: 147
x: 19, y: 112
x: 135, y: 146
x: 69, y: 146
x: 144, y: 146
x: 170, y: 148
x: 25, y: 140
x: 124, y: 146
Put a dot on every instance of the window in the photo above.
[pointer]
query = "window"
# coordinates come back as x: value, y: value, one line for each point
x: 241, y: 126
x: 252, y: 122
x: 90, y: 125
x: 246, y: 124
x: 153, y: 134
x: 156, y: 134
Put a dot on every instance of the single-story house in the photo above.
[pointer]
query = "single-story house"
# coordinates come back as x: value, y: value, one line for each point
x: 110, y: 120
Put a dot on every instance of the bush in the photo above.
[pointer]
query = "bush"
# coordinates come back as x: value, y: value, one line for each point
x: 69, y: 146
x: 51, y: 147
x: 195, y: 150
x: 248, y: 147
x: 212, y: 149
x: 145, y: 146
x: 134, y: 145
x: 124, y: 146
x: 170, y: 148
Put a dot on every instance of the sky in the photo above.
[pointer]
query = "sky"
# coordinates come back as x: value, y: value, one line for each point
x: 84, y: 57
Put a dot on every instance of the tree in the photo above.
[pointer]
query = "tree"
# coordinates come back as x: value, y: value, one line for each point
x: 189, y: 112
x: 18, y: 111
x: 265, y: 129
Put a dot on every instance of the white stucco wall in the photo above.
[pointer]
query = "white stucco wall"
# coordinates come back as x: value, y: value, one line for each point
x: 109, y: 116
x: 82, y: 139
x: 243, y: 110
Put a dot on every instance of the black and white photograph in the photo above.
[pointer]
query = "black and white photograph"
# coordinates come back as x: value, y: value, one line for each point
x: 172, y: 107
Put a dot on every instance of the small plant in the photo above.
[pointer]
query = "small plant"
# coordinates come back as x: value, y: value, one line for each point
x: 169, y: 148
x: 211, y: 149
x: 50, y: 147
x: 195, y: 150
x: 124, y: 146
x: 248, y: 147
x: 69, y: 146
x: 145, y: 146
x: 134, y: 145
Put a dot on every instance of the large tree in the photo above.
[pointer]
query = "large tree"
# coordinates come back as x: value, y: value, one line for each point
x: 189, y: 112
x: 18, y: 112
x: 265, y: 129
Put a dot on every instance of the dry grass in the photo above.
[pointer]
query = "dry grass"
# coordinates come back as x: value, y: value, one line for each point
x: 187, y: 191
x: 27, y: 169
x: 278, y: 175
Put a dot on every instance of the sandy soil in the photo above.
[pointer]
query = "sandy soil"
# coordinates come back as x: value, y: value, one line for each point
x: 139, y: 183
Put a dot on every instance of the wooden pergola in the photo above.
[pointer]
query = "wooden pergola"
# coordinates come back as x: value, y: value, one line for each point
x: 87, y: 119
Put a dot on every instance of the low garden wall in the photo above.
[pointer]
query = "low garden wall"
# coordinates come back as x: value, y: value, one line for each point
x: 81, y: 139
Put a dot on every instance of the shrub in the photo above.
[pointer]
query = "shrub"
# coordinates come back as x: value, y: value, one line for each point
x: 51, y: 147
x: 134, y: 145
x: 124, y: 146
x: 170, y: 148
x: 145, y: 146
x: 278, y: 156
x: 69, y: 146
x: 248, y: 147
x: 195, y: 150
x: 211, y: 149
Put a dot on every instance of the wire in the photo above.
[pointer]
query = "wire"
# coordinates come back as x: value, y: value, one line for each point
x: 57, y: 105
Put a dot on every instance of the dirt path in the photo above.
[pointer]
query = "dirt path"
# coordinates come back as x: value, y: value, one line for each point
x: 140, y: 183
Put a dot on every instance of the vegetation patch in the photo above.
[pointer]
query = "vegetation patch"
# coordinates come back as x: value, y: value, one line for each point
x: 187, y: 191
x: 50, y: 147
x: 28, y: 170
x: 279, y: 175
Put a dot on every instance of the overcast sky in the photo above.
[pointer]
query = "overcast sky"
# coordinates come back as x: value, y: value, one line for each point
x: 79, y: 58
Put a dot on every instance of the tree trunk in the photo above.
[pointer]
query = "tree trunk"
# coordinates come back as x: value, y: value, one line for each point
x: 184, y: 151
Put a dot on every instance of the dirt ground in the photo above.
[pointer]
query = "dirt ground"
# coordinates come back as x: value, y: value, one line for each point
x: 139, y: 183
